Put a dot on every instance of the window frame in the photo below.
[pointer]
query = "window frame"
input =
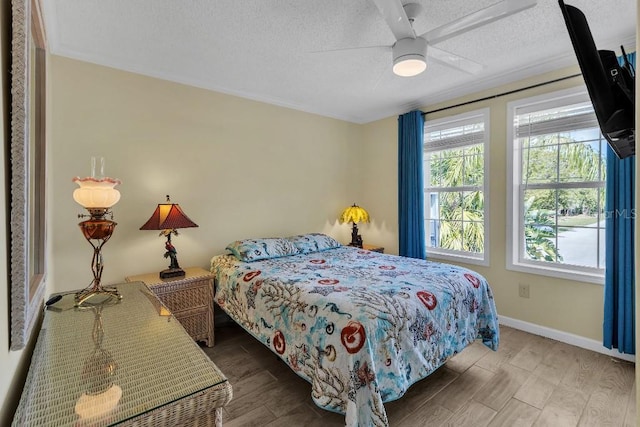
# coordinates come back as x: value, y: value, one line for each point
x: 482, y: 259
x: 515, y: 224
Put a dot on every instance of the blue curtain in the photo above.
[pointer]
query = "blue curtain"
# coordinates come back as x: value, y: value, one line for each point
x: 410, y: 185
x: 619, y: 288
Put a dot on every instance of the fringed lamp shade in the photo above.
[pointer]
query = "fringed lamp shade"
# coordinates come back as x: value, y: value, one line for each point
x: 168, y: 217
x: 354, y: 214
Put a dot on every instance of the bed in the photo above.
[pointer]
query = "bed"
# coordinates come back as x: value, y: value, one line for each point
x: 360, y: 326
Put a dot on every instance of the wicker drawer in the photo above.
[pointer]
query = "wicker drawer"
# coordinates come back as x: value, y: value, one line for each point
x: 196, y: 322
x: 189, y: 298
x: 184, y: 296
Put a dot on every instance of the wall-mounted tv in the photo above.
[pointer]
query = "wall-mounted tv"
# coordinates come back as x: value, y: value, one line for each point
x: 611, y: 86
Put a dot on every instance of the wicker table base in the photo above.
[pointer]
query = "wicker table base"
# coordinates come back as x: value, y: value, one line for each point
x: 199, y: 411
x: 119, y: 362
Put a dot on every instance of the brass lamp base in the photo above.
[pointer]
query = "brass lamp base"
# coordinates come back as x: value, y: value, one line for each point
x: 172, y: 272
x: 97, y: 231
x: 86, y: 294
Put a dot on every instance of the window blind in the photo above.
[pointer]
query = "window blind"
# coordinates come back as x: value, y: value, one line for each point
x: 554, y: 120
x: 454, y: 133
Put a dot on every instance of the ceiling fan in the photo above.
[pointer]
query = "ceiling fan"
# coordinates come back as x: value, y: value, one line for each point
x: 410, y: 50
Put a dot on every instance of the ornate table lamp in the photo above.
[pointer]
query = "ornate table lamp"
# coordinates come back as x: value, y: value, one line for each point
x: 97, y: 195
x: 354, y: 214
x: 168, y: 217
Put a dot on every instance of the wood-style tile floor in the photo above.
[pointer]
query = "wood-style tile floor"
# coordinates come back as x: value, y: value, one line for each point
x: 529, y: 381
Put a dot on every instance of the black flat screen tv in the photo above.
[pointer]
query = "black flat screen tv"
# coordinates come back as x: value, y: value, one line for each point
x: 611, y: 86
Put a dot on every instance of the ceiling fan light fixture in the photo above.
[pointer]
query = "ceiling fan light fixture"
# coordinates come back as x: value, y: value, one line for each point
x: 409, y: 67
x: 409, y: 57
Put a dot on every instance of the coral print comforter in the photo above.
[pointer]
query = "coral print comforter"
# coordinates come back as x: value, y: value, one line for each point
x: 360, y: 326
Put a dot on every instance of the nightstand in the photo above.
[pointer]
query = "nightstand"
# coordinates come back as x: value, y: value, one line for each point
x: 190, y: 299
x: 373, y: 248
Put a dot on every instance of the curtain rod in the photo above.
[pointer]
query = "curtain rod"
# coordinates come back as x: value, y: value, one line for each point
x: 424, y: 113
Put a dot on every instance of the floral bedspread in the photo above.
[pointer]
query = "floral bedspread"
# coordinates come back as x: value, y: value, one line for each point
x: 360, y: 326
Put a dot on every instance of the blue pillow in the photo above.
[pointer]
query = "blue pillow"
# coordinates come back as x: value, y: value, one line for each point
x: 256, y: 249
x: 313, y: 242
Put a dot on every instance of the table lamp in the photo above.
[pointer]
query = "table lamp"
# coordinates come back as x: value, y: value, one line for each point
x: 97, y: 195
x: 354, y: 214
x: 169, y: 217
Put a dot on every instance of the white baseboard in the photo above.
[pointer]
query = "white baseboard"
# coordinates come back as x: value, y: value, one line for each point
x: 564, y: 337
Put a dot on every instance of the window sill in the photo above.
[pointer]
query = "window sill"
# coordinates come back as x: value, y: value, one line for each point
x: 445, y: 256
x: 558, y: 273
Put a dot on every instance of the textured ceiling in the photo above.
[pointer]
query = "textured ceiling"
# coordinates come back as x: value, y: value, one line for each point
x: 283, y: 52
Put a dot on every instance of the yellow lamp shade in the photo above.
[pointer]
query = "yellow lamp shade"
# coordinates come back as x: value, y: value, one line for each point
x: 354, y: 214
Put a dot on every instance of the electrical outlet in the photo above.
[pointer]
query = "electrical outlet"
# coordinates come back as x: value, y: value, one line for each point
x: 523, y: 290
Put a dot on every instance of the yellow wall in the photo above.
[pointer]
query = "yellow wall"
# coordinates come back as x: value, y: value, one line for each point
x: 238, y: 168
x: 564, y: 305
x: 241, y: 168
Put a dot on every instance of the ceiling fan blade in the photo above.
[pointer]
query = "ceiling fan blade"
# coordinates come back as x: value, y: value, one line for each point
x: 476, y: 19
x: 454, y: 61
x: 343, y: 49
x: 396, y: 18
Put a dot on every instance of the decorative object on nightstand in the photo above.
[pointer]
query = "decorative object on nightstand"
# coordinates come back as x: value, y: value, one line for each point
x: 354, y: 214
x: 97, y: 195
x: 169, y: 217
x: 373, y: 248
x: 189, y: 298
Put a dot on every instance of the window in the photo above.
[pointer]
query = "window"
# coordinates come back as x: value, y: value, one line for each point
x: 556, y: 189
x: 455, y: 185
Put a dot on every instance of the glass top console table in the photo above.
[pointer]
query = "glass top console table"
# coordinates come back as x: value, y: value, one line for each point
x: 119, y: 362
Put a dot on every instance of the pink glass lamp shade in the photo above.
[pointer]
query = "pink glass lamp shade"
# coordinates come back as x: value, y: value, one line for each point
x: 96, y: 193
